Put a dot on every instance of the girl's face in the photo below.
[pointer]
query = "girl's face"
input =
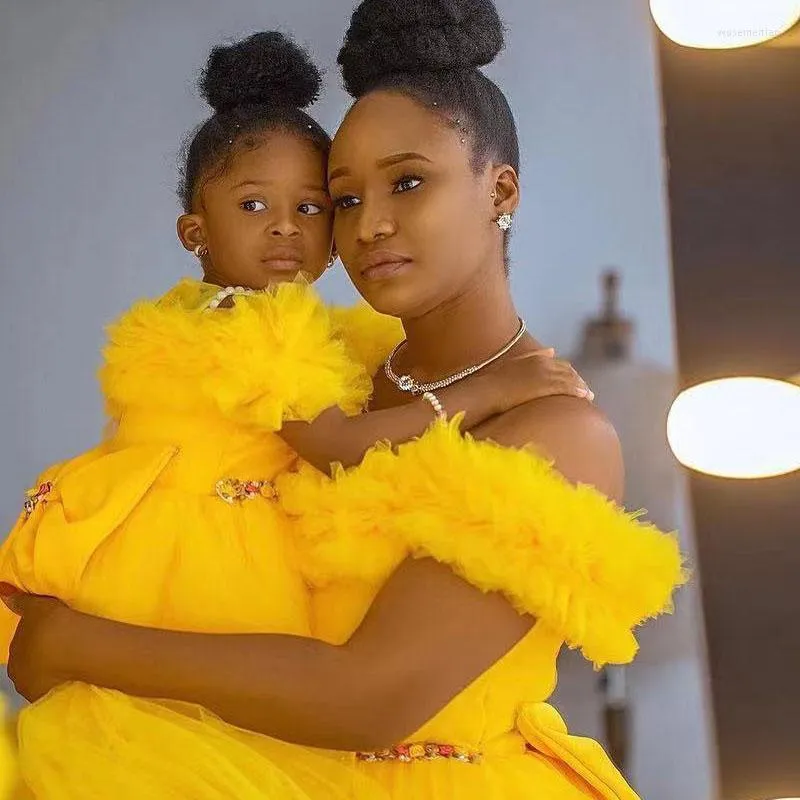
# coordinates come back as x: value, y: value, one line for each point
x: 266, y: 218
x: 414, y: 220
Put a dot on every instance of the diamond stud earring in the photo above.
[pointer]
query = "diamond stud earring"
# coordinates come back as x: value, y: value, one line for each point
x: 504, y: 221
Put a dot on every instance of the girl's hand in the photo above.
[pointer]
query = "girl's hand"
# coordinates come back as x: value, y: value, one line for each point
x: 532, y: 376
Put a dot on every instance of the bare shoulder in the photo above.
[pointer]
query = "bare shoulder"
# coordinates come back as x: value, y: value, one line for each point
x: 574, y: 434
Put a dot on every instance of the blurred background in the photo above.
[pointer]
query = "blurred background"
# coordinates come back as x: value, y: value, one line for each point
x: 669, y: 170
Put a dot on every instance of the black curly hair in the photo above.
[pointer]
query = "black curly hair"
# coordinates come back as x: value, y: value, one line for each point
x: 255, y: 86
x: 431, y: 50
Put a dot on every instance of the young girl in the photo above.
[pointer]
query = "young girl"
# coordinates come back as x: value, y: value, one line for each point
x: 175, y: 521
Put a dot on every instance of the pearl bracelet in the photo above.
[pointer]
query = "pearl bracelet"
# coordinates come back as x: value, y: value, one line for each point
x: 438, y: 408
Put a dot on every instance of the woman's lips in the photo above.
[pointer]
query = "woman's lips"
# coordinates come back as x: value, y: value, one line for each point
x: 383, y: 264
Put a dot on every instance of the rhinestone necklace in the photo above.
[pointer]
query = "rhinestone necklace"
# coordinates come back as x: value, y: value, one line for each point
x: 405, y: 383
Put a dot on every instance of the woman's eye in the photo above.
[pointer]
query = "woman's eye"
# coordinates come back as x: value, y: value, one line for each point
x: 309, y: 209
x: 407, y: 184
x: 348, y: 201
x: 253, y: 205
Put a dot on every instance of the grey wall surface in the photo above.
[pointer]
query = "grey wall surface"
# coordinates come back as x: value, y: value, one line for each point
x: 94, y: 100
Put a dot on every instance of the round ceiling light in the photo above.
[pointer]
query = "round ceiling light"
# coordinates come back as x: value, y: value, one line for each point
x: 737, y: 427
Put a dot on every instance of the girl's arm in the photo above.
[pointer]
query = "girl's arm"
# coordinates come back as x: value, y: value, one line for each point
x: 336, y: 438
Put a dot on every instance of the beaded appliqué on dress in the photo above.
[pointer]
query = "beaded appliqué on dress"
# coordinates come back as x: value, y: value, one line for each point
x: 428, y: 751
x: 232, y: 490
x: 35, y: 496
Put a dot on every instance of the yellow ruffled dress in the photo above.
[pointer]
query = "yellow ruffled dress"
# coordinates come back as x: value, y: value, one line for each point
x: 502, y: 518
x: 172, y: 522
x: 505, y: 521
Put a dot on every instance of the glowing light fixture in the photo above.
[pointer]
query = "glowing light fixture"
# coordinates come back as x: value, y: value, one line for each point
x: 737, y: 427
x: 723, y: 24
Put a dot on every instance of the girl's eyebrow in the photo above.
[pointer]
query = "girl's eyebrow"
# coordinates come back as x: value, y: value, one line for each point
x: 307, y: 187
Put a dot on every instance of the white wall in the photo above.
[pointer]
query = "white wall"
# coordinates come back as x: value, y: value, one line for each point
x: 96, y: 95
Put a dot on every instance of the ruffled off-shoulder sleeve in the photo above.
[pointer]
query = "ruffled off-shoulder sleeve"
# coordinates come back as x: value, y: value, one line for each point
x: 369, y: 336
x: 273, y: 357
x: 503, y: 519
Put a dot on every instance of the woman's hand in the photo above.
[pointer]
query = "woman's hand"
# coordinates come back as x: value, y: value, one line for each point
x: 38, y: 647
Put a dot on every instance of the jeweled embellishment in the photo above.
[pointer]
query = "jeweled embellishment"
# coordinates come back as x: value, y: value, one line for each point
x: 35, y: 496
x: 419, y: 751
x: 406, y: 383
x: 232, y: 490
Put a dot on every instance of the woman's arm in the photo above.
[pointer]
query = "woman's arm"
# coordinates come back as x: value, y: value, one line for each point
x: 400, y: 667
x: 398, y: 670
x: 336, y: 438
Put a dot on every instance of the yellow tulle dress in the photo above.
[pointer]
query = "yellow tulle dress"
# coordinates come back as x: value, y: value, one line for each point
x: 9, y: 774
x: 501, y: 518
x: 173, y: 522
x: 505, y: 521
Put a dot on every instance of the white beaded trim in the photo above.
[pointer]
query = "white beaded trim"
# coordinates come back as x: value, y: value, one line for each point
x: 228, y: 291
x: 438, y: 408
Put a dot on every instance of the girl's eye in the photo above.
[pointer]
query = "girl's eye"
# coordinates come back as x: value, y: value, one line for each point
x: 253, y: 205
x: 407, y: 184
x: 309, y: 209
x: 348, y: 201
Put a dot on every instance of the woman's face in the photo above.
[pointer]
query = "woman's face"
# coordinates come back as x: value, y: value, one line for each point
x: 414, y: 223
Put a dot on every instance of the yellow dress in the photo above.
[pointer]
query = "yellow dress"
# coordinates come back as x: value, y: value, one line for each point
x: 505, y: 521
x: 502, y: 518
x: 9, y: 777
x: 172, y: 522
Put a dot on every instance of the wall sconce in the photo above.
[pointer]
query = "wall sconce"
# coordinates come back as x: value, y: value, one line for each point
x: 737, y: 427
x: 724, y: 24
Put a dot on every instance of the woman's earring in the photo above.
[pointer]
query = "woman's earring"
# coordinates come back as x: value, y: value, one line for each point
x: 504, y: 221
x: 201, y: 250
x: 331, y: 261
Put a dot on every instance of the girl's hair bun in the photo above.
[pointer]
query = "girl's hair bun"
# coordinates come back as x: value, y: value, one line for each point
x: 267, y: 68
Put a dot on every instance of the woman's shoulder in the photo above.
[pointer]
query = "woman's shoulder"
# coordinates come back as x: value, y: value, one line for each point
x: 538, y: 527
x: 573, y: 433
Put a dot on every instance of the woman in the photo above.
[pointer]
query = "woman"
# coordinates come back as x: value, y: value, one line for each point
x: 447, y: 585
x: 173, y: 522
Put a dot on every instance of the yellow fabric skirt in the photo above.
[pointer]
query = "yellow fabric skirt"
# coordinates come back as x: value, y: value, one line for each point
x: 85, y: 743
x: 139, y: 535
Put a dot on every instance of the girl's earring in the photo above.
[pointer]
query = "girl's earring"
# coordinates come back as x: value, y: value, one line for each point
x: 201, y: 250
x: 331, y: 261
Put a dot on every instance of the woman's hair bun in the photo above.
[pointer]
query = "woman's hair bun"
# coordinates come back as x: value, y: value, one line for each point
x: 267, y: 68
x: 409, y: 36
